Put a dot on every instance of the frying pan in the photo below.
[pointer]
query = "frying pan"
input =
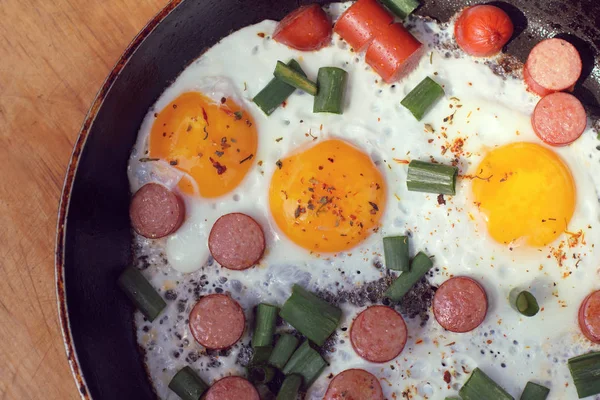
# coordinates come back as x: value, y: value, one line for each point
x: 94, y: 239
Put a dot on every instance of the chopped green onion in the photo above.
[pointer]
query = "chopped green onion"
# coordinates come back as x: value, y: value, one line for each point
x: 395, y: 250
x: 431, y: 178
x: 261, y: 355
x: 289, y: 387
x: 258, y: 374
x: 266, y: 317
x: 141, y: 293
x: 402, y: 8
x: 306, y: 362
x: 533, y: 391
x: 284, y: 348
x: 276, y: 92
x: 187, y: 385
x: 422, y: 97
x: 311, y: 316
x: 526, y: 304
x: 418, y: 268
x: 480, y: 386
x: 294, y: 78
x: 585, y: 370
x: 332, y: 90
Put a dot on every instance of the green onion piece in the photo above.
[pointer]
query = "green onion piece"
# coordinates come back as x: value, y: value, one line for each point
x: 258, y: 374
x: 276, y: 92
x: 261, y: 355
x: 422, y: 97
x: 294, y: 78
x: 526, y: 304
x: 284, y: 348
x: 431, y: 178
x: 266, y: 317
x: 395, y: 250
x: 187, y: 385
x: 480, y: 386
x: 289, y: 387
x: 533, y: 391
x: 402, y: 8
x: 311, y: 316
x: 141, y: 293
x: 332, y: 90
x: 306, y: 362
x: 585, y: 370
x: 418, y: 268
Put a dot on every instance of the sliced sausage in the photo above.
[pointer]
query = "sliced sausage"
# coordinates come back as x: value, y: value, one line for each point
x: 378, y: 334
x: 236, y: 241
x: 360, y: 23
x: 217, y: 321
x: 533, y: 86
x: 354, y: 384
x: 589, y: 317
x: 460, y: 304
x: 559, y: 119
x: 155, y: 211
x: 554, y: 64
x: 232, y: 388
x: 394, y: 53
x: 307, y: 28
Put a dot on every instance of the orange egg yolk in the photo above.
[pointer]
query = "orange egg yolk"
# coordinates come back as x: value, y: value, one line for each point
x: 213, y: 143
x: 327, y: 198
x: 526, y: 192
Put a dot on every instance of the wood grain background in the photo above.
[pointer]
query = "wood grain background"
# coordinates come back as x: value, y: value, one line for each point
x: 54, y: 56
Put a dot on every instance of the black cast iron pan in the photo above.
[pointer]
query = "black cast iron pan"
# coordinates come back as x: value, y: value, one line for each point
x: 93, y: 239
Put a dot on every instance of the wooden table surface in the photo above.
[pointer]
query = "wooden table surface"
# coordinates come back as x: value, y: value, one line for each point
x: 54, y: 56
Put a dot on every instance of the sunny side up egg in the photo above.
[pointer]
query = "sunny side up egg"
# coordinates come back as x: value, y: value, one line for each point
x: 525, y: 215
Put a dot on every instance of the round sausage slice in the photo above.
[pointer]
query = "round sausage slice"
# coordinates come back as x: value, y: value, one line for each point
x: 589, y: 317
x: 354, y: 384
x: 559, y: 119
x: 236, y: 241
x: 232, y: 388
x: 378, y: 334
x: 533, y: 86
x: 460, y: 304
x: 217, y: 321
x: 554, y: 64
x: 155, y: 211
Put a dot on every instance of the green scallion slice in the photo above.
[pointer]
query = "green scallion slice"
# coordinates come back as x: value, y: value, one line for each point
x: 585, y: 370
x: 402, y: 8
x: 422, y: 97
x: 418, y: 268
x: 332, y: 90
x: 260, y: 374
x: 276, y: 92
x: 526, y: 304
x: 261, y: 355
x: 395, y: 250
x: 311, y: 316
x: 533, y: 391
x: 480, y: 386
x: 431, y: 178
x: 294, y: 78
x: 187, y: 385
x: 284, y: 348
x: 289, y: 388
x: 306, y: 362
x: 141, y: 293
x: 266, y: 318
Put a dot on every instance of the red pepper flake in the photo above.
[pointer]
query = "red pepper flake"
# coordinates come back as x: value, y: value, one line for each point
x: 331, y: 160
x: 374, y: 207
x: 447, y: 377
x: 299, y: 211
x: 441, y: 200
x: 279, y: 164
x: 223, y: 100
x: 284, y: 104
x: 247, y: 158
x: 205, y: 116
x: 260, y: 34
x: 220, y: 168
x: 399, y: 161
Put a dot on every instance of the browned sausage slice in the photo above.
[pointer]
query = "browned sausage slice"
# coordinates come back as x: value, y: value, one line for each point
x: 533, y: 86
x: 554, y: 64
x: 378, y: 334
x: 460, y: 304
x: 232, y: 388
x: 589, y: 317
x: 236, y: 241
x: 155, y: 211
x: 217, y: 321
x: 354, y: 384
x: 559, y: 119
